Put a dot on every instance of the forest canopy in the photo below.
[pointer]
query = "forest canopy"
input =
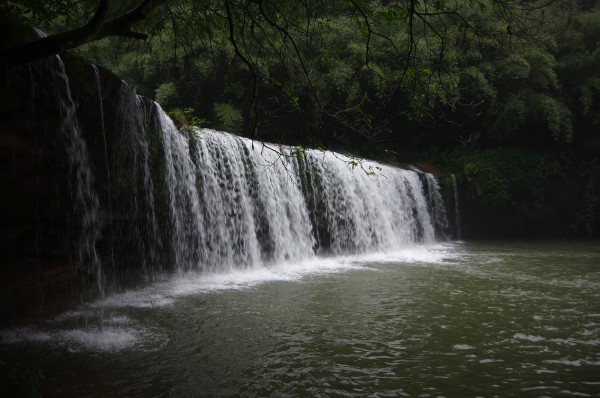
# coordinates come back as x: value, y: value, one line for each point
x: 337, y: 68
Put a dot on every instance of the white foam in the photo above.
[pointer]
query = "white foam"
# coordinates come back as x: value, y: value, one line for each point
x: 538, y: 388
x: 99, y: 339
x: 572, y: 341
x: 418, y: 255
x: 166, y: 292
x: 184, y: 284
x: 117, y: 320
x: 574, y: 393
x: 522, y: 336
x: 568, y: 341
x: 575, y: 362
x: 22, y: 335
x: 94, y: 339
x: 150, y: 297
x: 463, y: 347
x: 490, y: 360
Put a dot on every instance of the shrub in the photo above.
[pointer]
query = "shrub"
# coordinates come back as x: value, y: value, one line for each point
x: 166, y: 95
x: 228, y: 118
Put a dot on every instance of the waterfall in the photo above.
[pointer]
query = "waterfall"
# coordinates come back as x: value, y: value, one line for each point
x: 98, y: 88
x: 371, y: 207
x: 85, y: 200
x: 456, y: 207
x: 187, y: 223
x: 234, y: 204
x: 137, y: 226
x: 149, y: 197
x: 437, y: 206
x: 225, y: 189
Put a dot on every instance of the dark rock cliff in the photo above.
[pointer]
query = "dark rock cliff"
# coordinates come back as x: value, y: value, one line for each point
x: 44, y: 206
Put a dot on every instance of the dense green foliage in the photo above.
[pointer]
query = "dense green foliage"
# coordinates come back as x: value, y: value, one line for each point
x: 539, y: 130
x: 504, y: 93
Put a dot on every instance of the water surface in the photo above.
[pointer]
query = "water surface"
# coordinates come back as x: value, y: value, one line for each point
x: 456, y: 319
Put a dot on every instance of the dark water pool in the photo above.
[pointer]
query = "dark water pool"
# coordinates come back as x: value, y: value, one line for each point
x: 453, y: 320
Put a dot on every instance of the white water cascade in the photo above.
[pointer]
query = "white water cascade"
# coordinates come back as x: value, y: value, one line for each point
x: 236, y: 204
x: 437, y: 205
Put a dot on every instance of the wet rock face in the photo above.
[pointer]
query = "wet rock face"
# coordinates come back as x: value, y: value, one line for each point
x: 34, y: 209
x: 36, y: 219
x: 40, y: 227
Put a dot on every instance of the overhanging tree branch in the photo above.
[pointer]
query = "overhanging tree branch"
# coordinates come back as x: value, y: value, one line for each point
x: 97, y: 28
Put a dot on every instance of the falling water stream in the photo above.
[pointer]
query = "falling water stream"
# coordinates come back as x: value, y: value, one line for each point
x: 84, y: 198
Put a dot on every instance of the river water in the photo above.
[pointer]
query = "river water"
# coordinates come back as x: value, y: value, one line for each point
x: 455, y: 320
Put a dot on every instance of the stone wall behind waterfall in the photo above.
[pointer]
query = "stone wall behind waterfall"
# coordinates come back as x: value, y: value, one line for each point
x: 101, y: 187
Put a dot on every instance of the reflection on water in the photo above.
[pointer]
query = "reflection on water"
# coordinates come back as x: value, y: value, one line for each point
x: 461, y: 319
